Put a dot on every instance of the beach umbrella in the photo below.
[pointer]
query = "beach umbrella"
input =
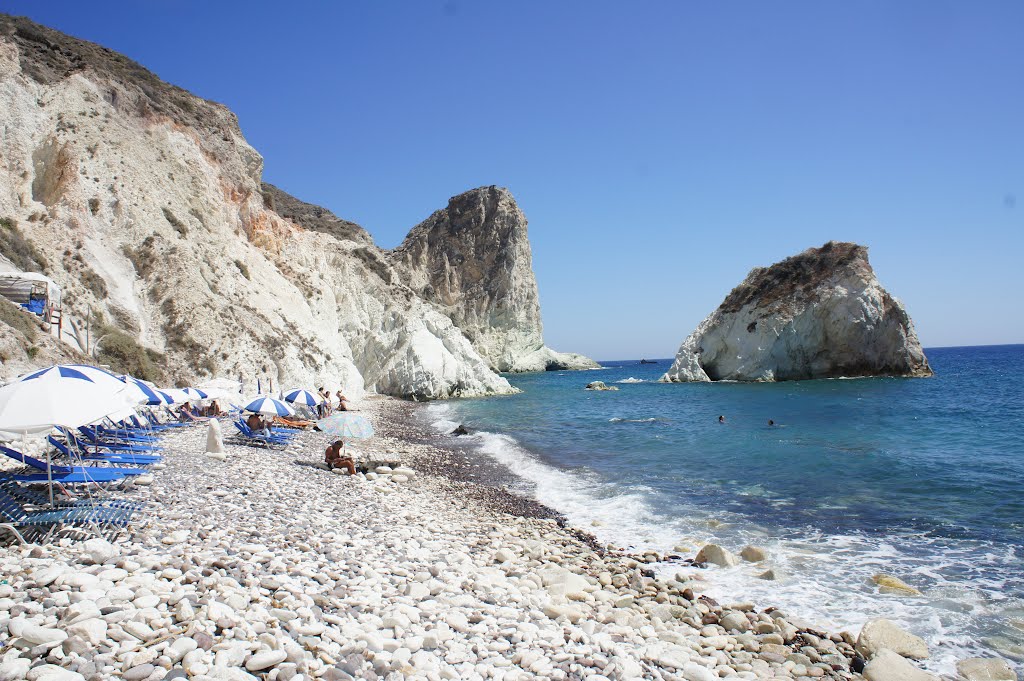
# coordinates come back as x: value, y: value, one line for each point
x: 59, y: 396
x: 149, y: 394
x: 195, y: 393
x: 305, y: 397
x: 164, y: 398
x: 101, y: 377
x: 175, y: 395
x: 268, y: 405
x: 346, y: 425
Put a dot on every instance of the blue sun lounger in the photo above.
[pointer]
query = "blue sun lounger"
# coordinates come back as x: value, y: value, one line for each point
x: 15, y: 519
x: 36, y: 497
x: 68, y: 474
x: 249, y: 434
x: 112, y: 457
x: 94, y: 440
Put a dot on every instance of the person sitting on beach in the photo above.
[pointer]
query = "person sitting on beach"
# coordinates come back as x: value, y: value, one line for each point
x: 343, y: 404
x: 337, y: 457
x: 257, y: 425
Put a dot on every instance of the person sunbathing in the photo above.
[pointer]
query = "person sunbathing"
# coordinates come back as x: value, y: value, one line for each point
x: 257, y: 424
x: 337, y: 457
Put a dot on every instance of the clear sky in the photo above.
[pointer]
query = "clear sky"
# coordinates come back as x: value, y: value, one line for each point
x: 659, y: 149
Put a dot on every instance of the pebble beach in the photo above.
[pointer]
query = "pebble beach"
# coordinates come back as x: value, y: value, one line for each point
x: 263, y: 566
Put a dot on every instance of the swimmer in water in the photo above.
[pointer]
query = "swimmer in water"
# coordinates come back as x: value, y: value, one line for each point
x: 771, y: 423
x: 721, y: 419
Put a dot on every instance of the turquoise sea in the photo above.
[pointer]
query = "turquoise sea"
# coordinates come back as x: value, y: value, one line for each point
x: 918, y: 478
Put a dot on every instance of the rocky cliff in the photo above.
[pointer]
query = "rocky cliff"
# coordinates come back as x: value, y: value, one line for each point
x: 819, y: 314
x: 147, y: 206
x: 472, y: 260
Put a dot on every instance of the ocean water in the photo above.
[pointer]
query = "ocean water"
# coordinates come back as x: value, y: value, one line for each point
x: 918, y: 478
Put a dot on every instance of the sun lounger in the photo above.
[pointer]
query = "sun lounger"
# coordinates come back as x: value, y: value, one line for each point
x: 93, y: 440
x: 41, y: 498
x: 19, y: 521
x: 249, y: 435
x: 107, y: 457
x: 68, y: 474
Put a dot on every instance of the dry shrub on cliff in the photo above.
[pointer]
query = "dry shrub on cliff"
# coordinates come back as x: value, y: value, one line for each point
x: 93, y: 282
x: 144, y: 258
x: 19, y: 250
x: 124, y: 354
x: 18, y: 319
x: 179, y: 226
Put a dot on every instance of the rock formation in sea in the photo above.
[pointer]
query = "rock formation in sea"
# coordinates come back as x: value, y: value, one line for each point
x: 819, y: 314
x: 473, y: 261
x: 147, y: 206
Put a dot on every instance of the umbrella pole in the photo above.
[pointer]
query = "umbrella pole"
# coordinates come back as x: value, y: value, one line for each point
x: 49, y: 476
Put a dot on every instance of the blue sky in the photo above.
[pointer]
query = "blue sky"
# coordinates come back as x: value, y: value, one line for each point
x: 659, y: 150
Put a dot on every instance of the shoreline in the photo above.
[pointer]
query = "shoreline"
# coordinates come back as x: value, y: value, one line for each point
x: 263, y: 566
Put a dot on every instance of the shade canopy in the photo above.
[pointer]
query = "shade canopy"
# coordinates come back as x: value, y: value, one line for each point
x: 175, y: 395
x: 304, y: 397
x: 268, y: 405
x: 61, y: 395
x: 195, y: 393
x: 346, y: 425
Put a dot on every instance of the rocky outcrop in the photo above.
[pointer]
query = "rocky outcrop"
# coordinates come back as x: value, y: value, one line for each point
x: 819, y: 314
x: 148, y: 206
x: 472, y: 260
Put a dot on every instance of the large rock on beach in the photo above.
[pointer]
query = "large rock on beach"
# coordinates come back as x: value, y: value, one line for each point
x: 214, y: 437
x: 888, y: 666
x: 881, y: 634
x: 819, y: 314
x: 148, y: 205
x: 985, y: 669
x: 713, y: 553
x: 894, y: 585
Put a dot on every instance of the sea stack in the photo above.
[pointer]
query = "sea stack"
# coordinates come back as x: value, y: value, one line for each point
x: 472, y: 261
x: 819, y: 314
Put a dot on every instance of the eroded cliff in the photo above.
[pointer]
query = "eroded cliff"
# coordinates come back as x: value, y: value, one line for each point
x: 819, y: 314
x: 149, y: 208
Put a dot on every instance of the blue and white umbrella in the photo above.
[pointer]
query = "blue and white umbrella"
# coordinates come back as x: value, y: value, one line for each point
x: 97, y: 375
x: 195, y: 393
x: 175, y: 395
x: 268, y: 405
x: 60, y: 395
x: 150, y: 394
x: 346, y: 425
x: 299, y: 396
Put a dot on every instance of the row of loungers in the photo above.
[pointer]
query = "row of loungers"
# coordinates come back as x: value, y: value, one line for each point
x: 95, y: 459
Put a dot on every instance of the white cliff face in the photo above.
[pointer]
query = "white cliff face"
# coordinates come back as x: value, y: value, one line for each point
x: 472, y: 260
x: 148, y: 206
x: 820, y: 314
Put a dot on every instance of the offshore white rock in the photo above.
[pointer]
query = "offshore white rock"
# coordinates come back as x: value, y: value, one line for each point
x: 819, y: 314
x: 147, y: 206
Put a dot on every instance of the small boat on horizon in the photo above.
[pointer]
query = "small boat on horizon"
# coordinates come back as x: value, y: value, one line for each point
x: 648, y: 361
